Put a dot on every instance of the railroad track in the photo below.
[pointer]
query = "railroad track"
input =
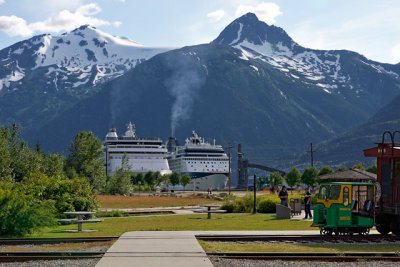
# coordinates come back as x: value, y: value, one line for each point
x: 334, y: 257
x: 29, y: 256
x: 299, y: 238
x: 38, y: 241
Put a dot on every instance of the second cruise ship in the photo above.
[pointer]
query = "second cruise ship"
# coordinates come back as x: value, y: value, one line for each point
x: 207, y: 164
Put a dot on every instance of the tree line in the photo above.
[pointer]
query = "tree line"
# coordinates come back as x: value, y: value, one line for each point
x: 309, y: 176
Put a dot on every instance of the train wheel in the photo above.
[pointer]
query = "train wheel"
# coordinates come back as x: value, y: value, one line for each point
x: 324, y: 231
x: 383, y: 229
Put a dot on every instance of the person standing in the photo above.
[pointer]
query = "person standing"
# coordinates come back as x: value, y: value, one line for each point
x: 307, y: 204
x: 283, y: 195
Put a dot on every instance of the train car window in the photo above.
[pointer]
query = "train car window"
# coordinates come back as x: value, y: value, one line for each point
x: 335, y: 192
x: 397, y: 168
x: 323, y: 192
x: 346, y: 196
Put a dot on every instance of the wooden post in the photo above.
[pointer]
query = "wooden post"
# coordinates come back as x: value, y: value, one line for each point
x: 255, y: 192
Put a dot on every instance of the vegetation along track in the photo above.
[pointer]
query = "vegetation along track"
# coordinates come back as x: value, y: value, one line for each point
x: 300, y: 238
x: 40, y: 241
x: 334, y: 257
x: 29, y: 256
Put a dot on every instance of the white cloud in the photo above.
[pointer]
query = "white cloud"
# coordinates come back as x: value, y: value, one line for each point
x: 64, y: 20
x: 2, y: 1
x: 395, y: 53
x: 265, y: 11
x: 216, y: 15
x: 14, y: 26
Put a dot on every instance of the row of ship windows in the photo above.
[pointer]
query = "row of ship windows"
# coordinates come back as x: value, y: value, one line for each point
x: 206, y: 159
x: 208, y: 170
x: 203, y: 162
x: 117, y: 157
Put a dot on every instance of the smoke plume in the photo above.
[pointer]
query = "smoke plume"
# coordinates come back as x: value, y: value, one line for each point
x: 184, y: 83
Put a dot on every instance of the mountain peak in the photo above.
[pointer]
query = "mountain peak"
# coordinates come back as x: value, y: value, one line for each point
x: 249, y: 27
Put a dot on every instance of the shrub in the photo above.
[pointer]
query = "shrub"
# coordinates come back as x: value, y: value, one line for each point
x: 266, y: 206
x: 244, y: 204
x: 67, y: 194
x: 229, y: 207
x: 22, y: 214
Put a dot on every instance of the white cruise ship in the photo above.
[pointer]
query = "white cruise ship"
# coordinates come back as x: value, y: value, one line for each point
x: 144, y: 154
x: 206, y: 164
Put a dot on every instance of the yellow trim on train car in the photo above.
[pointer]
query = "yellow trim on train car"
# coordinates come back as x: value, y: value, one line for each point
x: 345, y: 209
x: 344, y: 218
x: 328, y: 202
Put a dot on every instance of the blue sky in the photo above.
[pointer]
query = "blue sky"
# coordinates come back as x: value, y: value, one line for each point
x: 369, y: 27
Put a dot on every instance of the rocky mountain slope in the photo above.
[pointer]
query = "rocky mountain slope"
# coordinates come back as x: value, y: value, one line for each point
x: 48, y: 72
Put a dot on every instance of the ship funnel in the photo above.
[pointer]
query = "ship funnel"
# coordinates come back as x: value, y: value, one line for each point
x: 172, y: 143
x: 112, y: 134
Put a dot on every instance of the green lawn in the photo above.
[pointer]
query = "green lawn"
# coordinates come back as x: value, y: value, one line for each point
x: 265, y: 247
x: 219, y: 222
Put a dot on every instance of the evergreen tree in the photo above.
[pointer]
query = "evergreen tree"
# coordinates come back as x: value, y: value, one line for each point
x: 84, y: 159
x: 5, y: 157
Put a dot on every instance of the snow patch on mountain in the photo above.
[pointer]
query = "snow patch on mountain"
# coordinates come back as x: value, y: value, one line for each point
x: 72, y: 57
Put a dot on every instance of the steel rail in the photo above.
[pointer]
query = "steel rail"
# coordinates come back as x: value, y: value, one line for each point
x: 29, y: 256
x: 384, y: 256
x: 298, y: 238
x: 26, y: 241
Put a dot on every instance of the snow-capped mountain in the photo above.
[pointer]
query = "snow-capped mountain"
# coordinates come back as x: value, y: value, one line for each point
x: 84, y: 56
x: 328, y: 69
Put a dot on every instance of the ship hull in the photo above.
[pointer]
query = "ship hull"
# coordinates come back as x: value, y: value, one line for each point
x: 203, y: 181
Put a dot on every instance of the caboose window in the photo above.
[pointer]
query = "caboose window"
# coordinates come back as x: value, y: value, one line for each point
x: 397, y: 168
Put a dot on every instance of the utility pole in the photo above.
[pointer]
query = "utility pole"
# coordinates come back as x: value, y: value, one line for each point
x: 311, y: 151
x: 229, y: 165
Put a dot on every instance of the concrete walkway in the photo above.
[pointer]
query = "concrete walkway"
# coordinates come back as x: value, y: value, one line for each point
x: 170, y: 248
x: 156, y: 248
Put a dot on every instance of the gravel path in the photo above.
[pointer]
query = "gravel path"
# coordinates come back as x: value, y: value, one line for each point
x: 53, y: 263
x: 221, y: 262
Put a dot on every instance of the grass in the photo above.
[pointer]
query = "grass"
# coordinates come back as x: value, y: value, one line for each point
x: 192, y: 222
x: 132, y: 202
x: 265, y: 247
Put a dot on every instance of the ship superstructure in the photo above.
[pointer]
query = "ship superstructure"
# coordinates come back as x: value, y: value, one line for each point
x: 207, y: 164
x: 144, y: 154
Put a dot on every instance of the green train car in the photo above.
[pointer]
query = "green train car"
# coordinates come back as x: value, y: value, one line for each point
x: 345, y: 208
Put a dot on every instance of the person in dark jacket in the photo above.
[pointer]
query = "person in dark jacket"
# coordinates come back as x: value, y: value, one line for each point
x: 307, y: 204
x: 283, y: 195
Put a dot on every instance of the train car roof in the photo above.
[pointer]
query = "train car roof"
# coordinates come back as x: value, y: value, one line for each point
x: 347, y: 183
x: 353, y: 176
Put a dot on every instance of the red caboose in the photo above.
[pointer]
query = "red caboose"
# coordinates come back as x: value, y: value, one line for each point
x: 388, y: 184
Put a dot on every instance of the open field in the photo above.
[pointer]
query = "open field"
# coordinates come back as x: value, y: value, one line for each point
x: 266, y: 247
x: 128, y: 202
x: 219, y: 222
